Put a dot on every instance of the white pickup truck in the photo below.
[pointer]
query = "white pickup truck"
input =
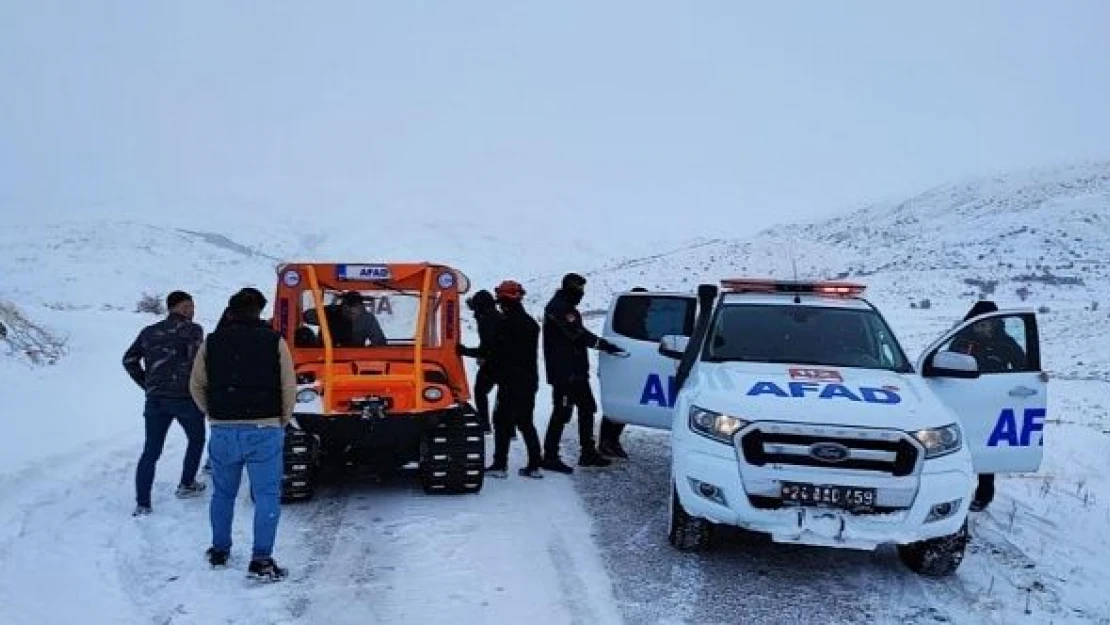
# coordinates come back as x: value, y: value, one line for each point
x: 793, y: 411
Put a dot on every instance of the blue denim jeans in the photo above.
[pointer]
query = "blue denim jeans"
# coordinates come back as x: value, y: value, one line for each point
x: 260, y: 450
x: 159, y: 414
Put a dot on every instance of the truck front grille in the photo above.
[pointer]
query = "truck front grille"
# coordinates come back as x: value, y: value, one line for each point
x: 883, y: 451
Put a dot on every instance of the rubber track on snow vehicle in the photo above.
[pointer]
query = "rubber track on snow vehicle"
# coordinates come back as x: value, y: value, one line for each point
x: 298, y: 480
x: 453, y: 455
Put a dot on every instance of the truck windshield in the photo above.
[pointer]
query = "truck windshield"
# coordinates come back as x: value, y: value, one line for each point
x: 805, y: 335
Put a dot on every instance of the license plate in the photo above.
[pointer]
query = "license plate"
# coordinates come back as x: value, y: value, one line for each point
x: 818, y: 495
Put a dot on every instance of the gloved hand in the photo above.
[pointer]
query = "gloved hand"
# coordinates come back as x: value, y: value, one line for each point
x: 608, y: 347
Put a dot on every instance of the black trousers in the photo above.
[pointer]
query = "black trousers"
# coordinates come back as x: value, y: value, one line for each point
x: 483, y: 384
x: 515, y: 410
x: 984, y: 493
x: 565, y: 398
x: 609, y: 431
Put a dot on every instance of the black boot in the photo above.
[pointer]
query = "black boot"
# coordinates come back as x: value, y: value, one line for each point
x: 556, y: 465
x: 266, y: 570
x: 590, y: 458
x: 530, y: 471
x: 612, y: 449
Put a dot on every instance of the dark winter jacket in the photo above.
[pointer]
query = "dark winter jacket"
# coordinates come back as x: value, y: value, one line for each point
x: 565, y: 341
x: 994, y: 354
x: 161, y: 358
x: 489, y: 325
x: 516, y: 350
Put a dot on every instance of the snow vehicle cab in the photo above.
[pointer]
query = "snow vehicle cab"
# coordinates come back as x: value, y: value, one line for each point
x: 793, y: 411
x: 379, y: 381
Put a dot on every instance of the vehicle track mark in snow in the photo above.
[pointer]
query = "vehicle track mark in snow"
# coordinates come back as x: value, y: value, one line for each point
x: 317, y: 524
x: 572, y: 586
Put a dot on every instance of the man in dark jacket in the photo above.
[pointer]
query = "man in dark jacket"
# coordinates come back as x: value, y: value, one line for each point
x: 995, y: 351
x: 488, y: 318
x: 565, y: 341
x: 159, y: 361
x: 515, y: 355
x: 352, y: 325
x: 243, y: 379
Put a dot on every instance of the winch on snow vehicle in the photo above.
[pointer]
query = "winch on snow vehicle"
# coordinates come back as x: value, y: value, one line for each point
x: 379, y: 381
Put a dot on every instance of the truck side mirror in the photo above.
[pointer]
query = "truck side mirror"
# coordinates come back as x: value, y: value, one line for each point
x: 948, y: 364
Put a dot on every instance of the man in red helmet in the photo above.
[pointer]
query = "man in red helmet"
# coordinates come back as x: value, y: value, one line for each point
x: 515, y: 356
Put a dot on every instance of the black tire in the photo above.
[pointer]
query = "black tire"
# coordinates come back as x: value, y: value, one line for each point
x: 685, y: 532
x: 298, y: 480
x: 936, y: 557
x: 453, y: 455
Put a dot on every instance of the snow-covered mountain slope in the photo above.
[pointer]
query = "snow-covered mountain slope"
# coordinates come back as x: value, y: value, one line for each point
x: 1037, y: 239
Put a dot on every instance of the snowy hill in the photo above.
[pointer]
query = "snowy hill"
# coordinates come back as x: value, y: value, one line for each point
x: 1029, y: 239
x: 564, y: 548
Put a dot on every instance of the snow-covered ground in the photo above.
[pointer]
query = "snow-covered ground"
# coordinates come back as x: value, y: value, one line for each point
x: 587, y: 549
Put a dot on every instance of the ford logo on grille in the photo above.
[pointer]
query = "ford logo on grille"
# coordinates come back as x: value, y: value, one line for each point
x: 829, y: 452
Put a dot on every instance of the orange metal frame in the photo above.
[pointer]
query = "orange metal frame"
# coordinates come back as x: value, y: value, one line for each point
x: 346, y: 372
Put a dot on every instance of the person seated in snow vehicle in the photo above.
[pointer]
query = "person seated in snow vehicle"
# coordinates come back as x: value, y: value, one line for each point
x: 352, y: 325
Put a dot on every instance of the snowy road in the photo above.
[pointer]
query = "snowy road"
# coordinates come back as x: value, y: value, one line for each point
x: 749, y: 579
x: 361, y: 552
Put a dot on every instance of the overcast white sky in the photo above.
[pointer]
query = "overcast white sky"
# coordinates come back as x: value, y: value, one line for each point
x: 679, y: 119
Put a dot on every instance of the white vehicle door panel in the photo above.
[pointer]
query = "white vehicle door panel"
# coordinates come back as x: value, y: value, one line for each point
x: 1002, y: 412
x: 638, y: 389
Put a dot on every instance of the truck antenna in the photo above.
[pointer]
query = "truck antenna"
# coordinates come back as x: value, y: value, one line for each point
x: 794, y: 262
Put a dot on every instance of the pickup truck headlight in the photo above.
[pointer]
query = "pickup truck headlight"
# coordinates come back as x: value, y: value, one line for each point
x: 940, y: 441
x: 719, y: 427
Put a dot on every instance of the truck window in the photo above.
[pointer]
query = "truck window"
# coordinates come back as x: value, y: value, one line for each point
x: 651, y: 317
x: 811, y: 335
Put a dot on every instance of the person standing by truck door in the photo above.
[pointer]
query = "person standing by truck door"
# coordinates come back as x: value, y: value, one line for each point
x: 516, y: 355
x: 565, y: 341
x: 995, y: 352
x: 484, y: 307
x: 243, y: 379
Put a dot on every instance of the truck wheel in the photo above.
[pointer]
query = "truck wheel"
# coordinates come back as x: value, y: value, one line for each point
x: 936, y: 557
x: 685, y: 532
x: 453, y: 455
x: 298, y: 480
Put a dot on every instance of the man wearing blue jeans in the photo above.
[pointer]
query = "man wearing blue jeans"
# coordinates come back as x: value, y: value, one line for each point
x: 243, y: 379
x: 159, y: 361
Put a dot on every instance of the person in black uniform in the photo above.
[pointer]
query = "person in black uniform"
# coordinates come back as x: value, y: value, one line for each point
x: 995, y: 351
x: 565, y: 341
x: 515, y: 355
x: 489, y: 319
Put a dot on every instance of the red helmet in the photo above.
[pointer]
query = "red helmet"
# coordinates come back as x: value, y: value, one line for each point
x: 509, y: 290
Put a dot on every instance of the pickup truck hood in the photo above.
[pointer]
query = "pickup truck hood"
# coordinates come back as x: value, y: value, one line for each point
x: 819, y: 395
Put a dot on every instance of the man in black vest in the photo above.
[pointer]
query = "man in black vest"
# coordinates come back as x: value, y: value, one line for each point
x: 244, y: 380
x: 565, y: 341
